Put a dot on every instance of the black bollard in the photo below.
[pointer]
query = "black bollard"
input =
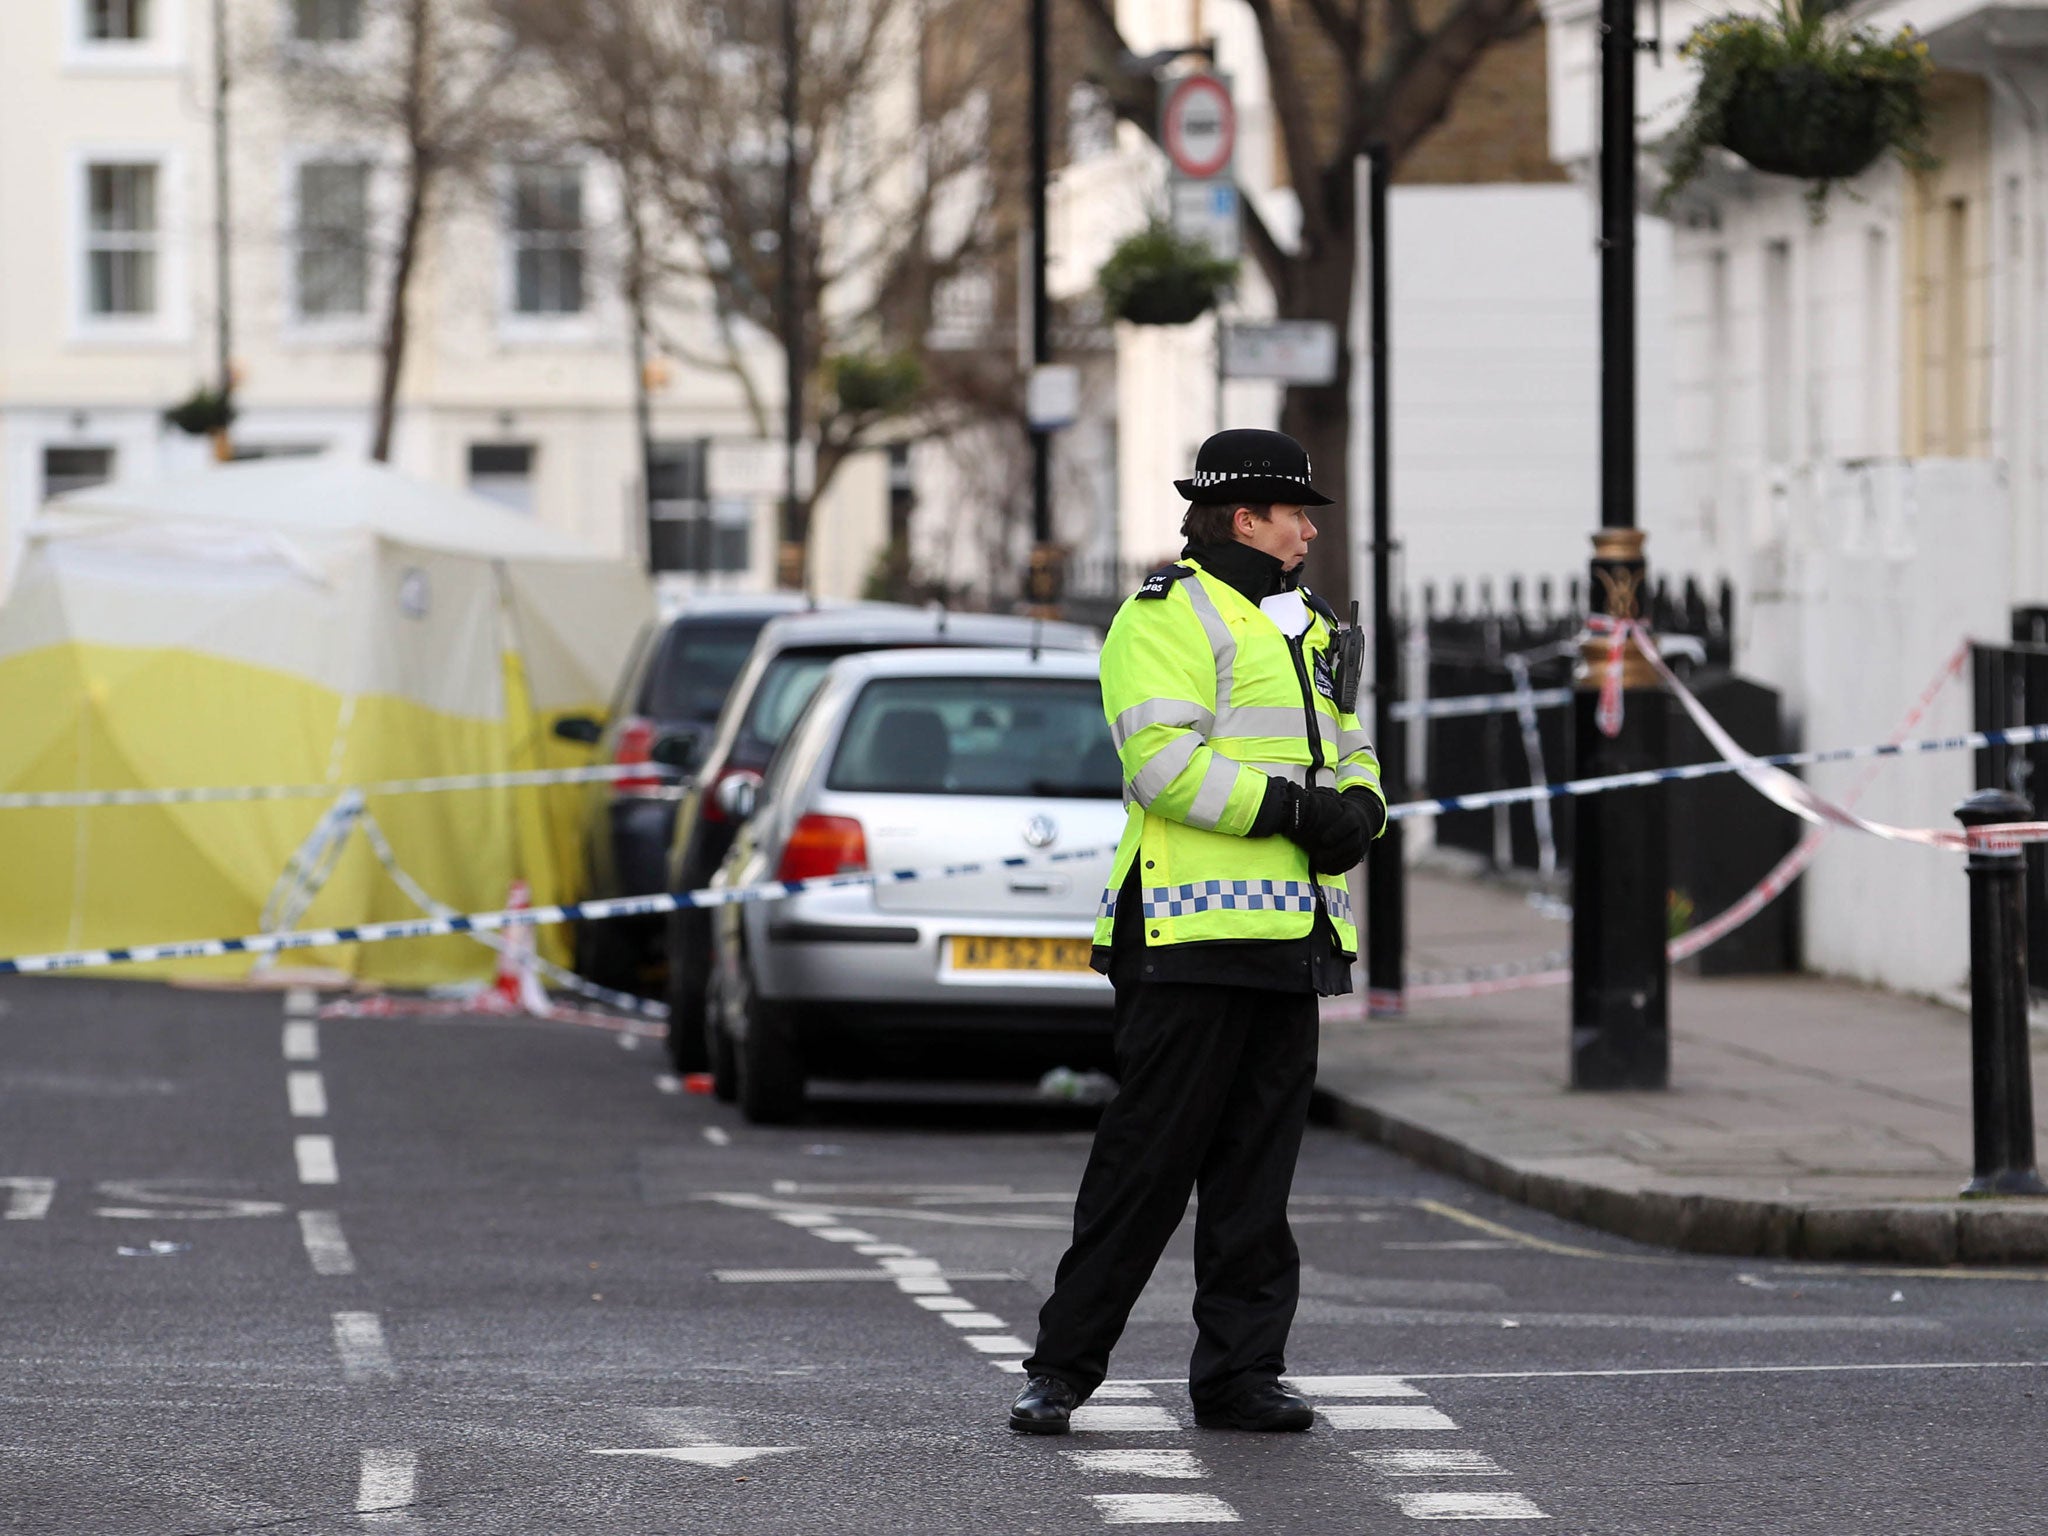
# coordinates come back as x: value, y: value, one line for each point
x: 2001, y: 1076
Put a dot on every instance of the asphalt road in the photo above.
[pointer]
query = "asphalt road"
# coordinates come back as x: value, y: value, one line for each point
x: 264, y: 1272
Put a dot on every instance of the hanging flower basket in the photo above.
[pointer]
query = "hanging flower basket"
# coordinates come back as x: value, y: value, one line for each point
x: 1802, y: 94
x: 1156, y: 277
x: 203, y: 412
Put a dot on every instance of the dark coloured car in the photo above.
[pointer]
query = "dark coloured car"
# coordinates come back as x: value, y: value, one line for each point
x: 789, y: 661
x: 663, y: 715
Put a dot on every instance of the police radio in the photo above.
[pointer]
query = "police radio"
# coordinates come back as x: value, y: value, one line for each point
x: 1350, y: 668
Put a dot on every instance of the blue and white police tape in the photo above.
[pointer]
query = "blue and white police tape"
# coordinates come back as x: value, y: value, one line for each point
x: 1479, y: 704
x: 549, y: 972
x: 777, y: 890
x: 2015, y: 736
x: 534, y: 917
x: 599, y: 773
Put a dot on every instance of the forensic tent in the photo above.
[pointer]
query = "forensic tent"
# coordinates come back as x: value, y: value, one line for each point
x: 318, y: 622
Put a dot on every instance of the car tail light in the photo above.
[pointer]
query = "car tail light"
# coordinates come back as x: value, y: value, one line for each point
x: 636, y: 745
x: 823, y: 845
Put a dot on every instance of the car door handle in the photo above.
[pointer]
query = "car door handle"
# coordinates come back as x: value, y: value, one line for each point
x: 1050, y: 885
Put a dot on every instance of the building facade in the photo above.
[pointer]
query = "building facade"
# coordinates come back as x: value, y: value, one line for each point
x: 1860, y: 435
x: 518, y: 382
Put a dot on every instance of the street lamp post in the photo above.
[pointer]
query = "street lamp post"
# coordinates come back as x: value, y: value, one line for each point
x: 1620, y: 978
x: 1386, y: 892
x: 1043, y: 582
x: 790, y: 570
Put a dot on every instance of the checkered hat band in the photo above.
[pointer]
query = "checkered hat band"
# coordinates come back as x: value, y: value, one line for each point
x: 1224, y: 477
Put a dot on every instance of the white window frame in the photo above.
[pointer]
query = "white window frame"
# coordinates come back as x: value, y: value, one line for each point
x: 334, y: 330
x: 601, y: 304
x: 171, y: 324
x: 162, y: 51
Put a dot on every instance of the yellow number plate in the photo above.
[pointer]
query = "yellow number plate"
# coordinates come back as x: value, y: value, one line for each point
x: 993, y: 954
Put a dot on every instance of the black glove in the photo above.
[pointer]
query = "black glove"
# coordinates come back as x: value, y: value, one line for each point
x: 1331, y: 830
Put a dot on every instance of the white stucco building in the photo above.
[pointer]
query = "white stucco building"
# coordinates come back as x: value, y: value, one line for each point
x: 1860, y: 434
x: 518, y: 382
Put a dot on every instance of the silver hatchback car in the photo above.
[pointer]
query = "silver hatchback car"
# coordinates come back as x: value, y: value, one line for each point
x: 915, y: 760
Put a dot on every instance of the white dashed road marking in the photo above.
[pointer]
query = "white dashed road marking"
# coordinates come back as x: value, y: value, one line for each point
x: 1431, y: 1463
x: 1378, y: 1416
x: 1123, y: 1418
x: 301, y: 1040
x: 997, y: 1344
x: 359, y: 1340
x: 28, y: 1199
x: 306, y: 1092
x: 1353, y: 1386
x: 706, y: 1455
x: 1139, y: 1463
x: 325, y: 1246
x: 299, y: 1001
x: 944, y: 1303
x: 975, y: 1320
x: 1467, y: 1506
x: 387, y: 1482
x: 1162, y: 1509
x: 315, y: 1156
x: 718, y: 1135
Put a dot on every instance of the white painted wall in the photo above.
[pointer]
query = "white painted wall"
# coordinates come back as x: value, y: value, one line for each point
x: 1494, y: 300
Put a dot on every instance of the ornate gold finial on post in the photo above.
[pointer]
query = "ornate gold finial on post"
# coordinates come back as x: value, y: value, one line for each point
x: 1619, y: 589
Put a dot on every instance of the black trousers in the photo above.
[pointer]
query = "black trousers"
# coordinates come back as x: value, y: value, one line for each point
x: 1213, y: 1097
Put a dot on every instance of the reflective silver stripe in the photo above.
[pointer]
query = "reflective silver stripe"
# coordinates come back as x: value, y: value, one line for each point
x: 1259, y: 720
x: 1178, y: 712
x: 1349, y: 742
x: 1213, y: 798
x: 1357, y: 773
x: 1151, y: 780
x: 1293, y: 773
x: 1221, y: 640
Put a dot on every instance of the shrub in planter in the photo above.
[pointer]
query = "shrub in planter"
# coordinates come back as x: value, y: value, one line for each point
x: 1156, y: 277
x: 1802, y: 93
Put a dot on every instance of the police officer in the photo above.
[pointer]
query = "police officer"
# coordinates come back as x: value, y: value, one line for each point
x: 1252, y: 791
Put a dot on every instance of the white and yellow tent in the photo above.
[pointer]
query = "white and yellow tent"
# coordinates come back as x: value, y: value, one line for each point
x: 304, y: 621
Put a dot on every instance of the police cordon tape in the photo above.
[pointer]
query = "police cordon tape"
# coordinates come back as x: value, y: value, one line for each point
x: 776, y: 890
x: 2013, y: 736
x: 233, y: 794
x: 1480, y: 703
x: 1554, y: 969
x: 534, y: 917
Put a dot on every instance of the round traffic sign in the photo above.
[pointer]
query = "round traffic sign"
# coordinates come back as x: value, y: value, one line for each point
x: 1198, y: 126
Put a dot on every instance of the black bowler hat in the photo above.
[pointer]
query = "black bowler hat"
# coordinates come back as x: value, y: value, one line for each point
x: 1247, y: 464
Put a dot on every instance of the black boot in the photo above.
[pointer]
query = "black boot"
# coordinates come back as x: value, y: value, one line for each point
x: 1260, y: 1405
x: 1043, y: 1407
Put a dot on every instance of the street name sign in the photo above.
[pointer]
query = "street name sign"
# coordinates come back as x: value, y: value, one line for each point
x: 1291, y: 351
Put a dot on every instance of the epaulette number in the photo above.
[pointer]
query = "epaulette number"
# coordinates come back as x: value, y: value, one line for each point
x: 1161, y: 581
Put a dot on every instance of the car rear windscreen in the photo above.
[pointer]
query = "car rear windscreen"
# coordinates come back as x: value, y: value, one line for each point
x: 1017, y: 736
x: 696, y: 668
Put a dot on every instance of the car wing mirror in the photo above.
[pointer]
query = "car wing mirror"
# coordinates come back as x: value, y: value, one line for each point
x: 677, y: 750
x: 581, y: 729
x: 738, y: 795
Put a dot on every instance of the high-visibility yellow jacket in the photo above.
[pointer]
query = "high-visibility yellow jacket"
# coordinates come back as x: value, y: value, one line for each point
x: 1206, y: 700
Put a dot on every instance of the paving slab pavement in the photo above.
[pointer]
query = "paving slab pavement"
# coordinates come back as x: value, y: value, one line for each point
x: 1806, y: 1117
